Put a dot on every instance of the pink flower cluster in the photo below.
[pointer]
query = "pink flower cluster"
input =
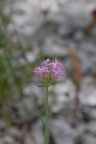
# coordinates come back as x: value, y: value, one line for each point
x: 49, y: 71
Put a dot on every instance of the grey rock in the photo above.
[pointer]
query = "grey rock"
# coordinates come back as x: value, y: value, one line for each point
x: 78, y: 36
x: 54, y: 47
x: 62, y: 132
x: 88, y: 91
x: 3, y: 128
x: 86, y: 50
x: 37, y: 133
x: 22, y: 12
x: 34, y: 93
x: 64, y: 93
x: 26, y: 110
x: 92, y: 113
x: 14, y: 132
x: 8, y: 140
x: 89, y: 139
x: 29, y: 140
x: 33, y: 54
x: 91, y: 127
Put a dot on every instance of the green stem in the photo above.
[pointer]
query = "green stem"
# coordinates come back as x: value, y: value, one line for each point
x: 46, y: 118
x: 5, y: 113
x: 41, y: 119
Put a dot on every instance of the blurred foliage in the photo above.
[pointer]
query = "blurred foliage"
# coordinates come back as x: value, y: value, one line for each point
x: 77, y: 72
x: 13, y: 75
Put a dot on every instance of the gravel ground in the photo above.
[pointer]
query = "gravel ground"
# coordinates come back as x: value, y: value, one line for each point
x: 54, y: 28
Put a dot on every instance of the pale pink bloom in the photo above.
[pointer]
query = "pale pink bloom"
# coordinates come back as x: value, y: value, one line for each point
x: 49, y: 71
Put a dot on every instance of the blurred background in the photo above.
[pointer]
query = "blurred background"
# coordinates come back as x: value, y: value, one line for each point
x: 30, y: 32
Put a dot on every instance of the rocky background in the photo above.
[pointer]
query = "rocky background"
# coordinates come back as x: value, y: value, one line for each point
x: 31, y: 31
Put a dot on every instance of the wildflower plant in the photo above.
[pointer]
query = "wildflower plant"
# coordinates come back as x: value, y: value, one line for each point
x: 46, y: 74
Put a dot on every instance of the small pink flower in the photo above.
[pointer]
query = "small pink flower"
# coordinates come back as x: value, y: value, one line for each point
x: 49, y: 71
x: 46, y: 62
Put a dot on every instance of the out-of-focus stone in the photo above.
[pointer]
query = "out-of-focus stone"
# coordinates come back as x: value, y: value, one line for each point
x: 64, y: 93
x: 53, y: 46
x: 87, y: 94
x: 3, y: 128
x: 62, y: 131
x: 37, y: 132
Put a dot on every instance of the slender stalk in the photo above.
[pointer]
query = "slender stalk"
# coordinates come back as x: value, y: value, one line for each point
x: 46, y: 118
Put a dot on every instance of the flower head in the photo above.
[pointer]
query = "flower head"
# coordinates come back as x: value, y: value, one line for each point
x: 49, y: 71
